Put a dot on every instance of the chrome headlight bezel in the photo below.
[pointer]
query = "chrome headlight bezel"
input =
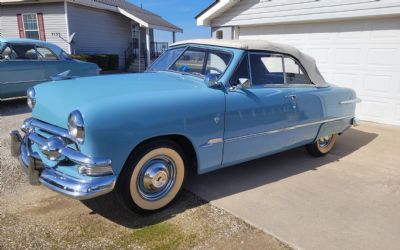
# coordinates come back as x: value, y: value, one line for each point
x: 31, y: 97
x: 76, y: 126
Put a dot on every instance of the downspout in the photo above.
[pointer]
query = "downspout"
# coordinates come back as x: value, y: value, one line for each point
x: 67, y: 23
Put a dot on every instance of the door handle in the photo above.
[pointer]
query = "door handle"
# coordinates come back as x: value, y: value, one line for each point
x: 292, y: 100
x: 291, y: 97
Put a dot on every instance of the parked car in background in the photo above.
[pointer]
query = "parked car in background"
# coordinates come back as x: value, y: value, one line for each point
x: 26, y: 62
x: 202, y: 105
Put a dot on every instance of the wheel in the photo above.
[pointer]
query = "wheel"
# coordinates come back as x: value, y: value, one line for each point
x: 152, y: 176
x: 322, y: 146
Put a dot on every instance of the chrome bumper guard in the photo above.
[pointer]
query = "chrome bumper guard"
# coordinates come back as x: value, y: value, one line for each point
x: 101, y: 181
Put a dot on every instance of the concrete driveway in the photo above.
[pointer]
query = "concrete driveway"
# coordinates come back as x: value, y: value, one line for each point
x: 349, y: 199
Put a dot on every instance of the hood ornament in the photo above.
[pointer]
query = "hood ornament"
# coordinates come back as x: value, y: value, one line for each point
x: 62, y: 76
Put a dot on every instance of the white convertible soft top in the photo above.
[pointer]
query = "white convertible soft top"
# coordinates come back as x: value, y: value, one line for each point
x: 307, y: 61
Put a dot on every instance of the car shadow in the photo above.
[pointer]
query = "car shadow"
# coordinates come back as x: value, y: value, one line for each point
x: 110, y: 207
x: 250, y: 175
x: 231, y: 180
x: 14, y: 107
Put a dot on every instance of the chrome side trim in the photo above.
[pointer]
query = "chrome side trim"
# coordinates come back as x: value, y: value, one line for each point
x: 356, y: 100
x: 212, y: 141
x: 233, y: 139
x: 29, y: 81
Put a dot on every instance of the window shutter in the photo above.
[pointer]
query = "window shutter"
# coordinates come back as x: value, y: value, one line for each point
x: 42, y: 34
x: 20, y: 26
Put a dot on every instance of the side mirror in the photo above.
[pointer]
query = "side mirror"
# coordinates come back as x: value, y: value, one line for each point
x: 244, y: 83
x: 211, y: 80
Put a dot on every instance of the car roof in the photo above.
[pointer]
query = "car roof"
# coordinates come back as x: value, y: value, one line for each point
x: 51, y: 46
x: 307, y: 61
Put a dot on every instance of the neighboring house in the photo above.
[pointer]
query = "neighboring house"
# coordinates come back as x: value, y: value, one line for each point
x: 356, y: 43
x: 87, y: 27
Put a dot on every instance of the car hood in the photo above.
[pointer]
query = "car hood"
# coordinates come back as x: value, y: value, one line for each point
x: 55, y: 100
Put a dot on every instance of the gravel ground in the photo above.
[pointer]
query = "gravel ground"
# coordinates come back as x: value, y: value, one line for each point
x: 33, y: 217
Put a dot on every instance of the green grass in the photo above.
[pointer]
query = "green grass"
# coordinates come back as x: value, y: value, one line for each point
x: 160, y: 236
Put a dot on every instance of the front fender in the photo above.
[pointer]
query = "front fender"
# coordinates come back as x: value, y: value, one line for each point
x: 116, y: 126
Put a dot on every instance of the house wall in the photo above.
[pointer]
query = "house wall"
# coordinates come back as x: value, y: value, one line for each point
x: 53, y: 18
x: 256, y: 12
x: 99, y: 31
x: 226, y: 31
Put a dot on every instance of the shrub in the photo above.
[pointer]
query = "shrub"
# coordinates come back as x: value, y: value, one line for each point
x: 106, y: 62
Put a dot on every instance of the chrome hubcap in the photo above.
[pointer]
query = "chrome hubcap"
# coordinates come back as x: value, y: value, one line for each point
x: 156, y: 178
x: 324, y: 142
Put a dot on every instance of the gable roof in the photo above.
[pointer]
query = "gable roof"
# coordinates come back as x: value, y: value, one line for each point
x: 307, y: 61
x: 131, y: 11
x: 215, y: 9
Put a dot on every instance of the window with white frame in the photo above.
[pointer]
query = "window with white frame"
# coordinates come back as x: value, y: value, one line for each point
x: 31, y: 27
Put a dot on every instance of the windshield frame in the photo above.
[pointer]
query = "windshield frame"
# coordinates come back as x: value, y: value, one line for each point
x: 187, y: 47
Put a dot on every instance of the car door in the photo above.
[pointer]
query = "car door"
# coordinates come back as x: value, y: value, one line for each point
x: 19, y: 70
x: 307, y: 98
x: 260, y: 120
x: 52, y: 63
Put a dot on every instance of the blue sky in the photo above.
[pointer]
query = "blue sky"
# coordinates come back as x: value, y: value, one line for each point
x: 180, y: 13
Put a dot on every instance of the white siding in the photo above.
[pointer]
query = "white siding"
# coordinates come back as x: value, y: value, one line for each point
x: 360, y: 54
x: 226, y: 31
x: 99, y: 31
x: 53, y: 18
x: 256, y: 12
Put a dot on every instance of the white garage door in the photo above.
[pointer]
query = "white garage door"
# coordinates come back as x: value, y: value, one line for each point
x: 361, y: 54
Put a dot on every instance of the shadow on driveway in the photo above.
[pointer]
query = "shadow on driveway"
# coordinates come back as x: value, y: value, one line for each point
x: 110, y: 207
x: 14, y: 107
x: 256, y: 173
x: 231, y: 180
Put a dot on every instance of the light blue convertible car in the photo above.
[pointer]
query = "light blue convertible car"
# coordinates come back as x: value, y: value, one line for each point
x: 203, y: 105
x: 26, y: 62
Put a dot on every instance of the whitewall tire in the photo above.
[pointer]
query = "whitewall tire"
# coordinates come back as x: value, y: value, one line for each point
x: 153, y: 176
x: 322, y: 146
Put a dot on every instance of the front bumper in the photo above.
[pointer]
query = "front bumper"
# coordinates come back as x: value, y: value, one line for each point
x: 79, y: 186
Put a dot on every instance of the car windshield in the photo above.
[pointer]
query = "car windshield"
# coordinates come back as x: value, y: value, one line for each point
x: 2, y: 46
x: 194, y: 61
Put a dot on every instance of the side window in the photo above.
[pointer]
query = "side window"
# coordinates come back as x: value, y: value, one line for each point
x: 266, y: 69
x: 7, y: 53
x: 217, y: 62
x: 165, y: 60
x: 192, y: 61
x: 24, y: 52
x: 242, y: 71
x: 294, y: 73
x: 45, y: 54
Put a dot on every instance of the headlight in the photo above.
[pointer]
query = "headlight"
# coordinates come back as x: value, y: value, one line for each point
x: 31, y: 97
x: 76, y: 127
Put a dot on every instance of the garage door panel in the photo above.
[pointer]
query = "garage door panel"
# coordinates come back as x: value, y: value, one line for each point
x: 348, y: 56
x: 348, y: 80
x: 381, y: 57
x: 375, y: 110
x: 361, y: 54
x: 379, y: 85
x: 321, y: 53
